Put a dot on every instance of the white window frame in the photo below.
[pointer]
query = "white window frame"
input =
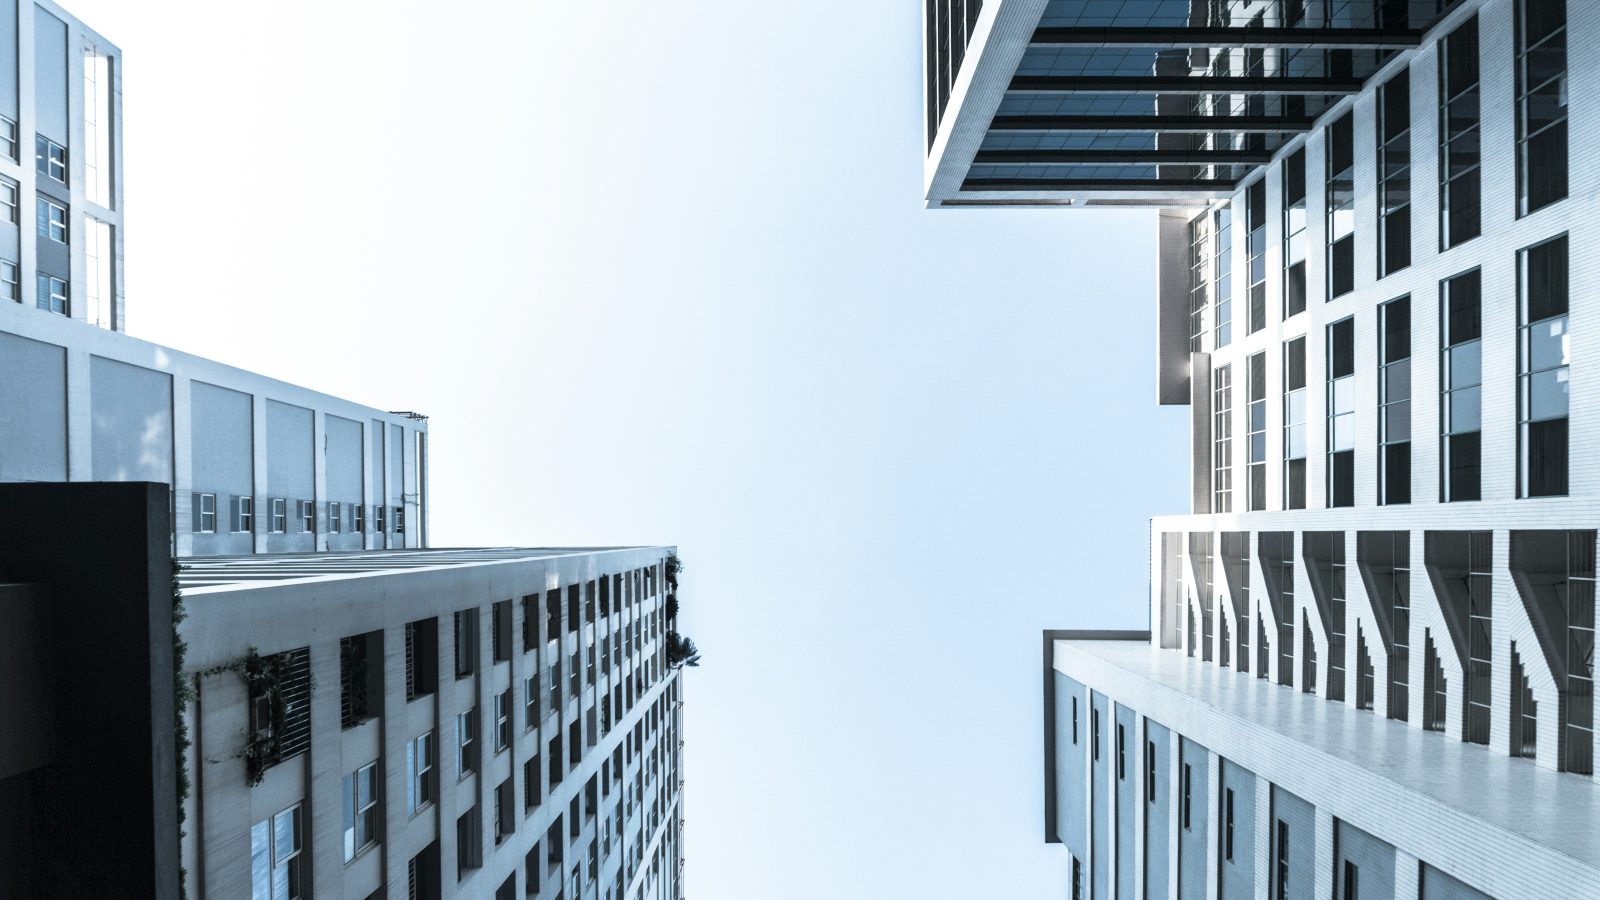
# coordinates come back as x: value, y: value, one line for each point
x: 360, y: 512
x: 10, y: 281
x: 55, y: 159
x: 247, y: 514
x: 8, y: 138
x: 55, y: 289
x: 502, y: 721
x: 208, y: 514
x: 308, y: 516
x: 378, y: 519
x: 335, y: 514
x: 466, y: 737
x: 264, y: 880
x: 55, y: 221
x: 11, y: 200
x: 530, y: 703
x: 399, y: 520
x: 419, y: 771
x: 280, y: 515
x: 360, y: 805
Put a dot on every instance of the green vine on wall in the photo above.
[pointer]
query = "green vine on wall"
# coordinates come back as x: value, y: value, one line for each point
x: 182, y: 695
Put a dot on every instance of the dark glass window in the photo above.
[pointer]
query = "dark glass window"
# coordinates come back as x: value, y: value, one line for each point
x: 1222, y: 440
x: 1394, y: 401
x: 1256, y: 249
x: 1341, y: 206
x: 1341, y: 413
x: 1394, y: 174
x: 1544, y: 355
x: 1294, y: 423
x: 1222, y: 272
x: 1294, y: 233
x: 1461, y: 387
x: 1199, y: 281
x: 1459, y: 155
x: 1257, y: 436
x: 1541, y: 103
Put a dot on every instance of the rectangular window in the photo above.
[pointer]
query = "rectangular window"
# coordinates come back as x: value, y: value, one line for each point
x: 1222, y: 274
x: 466, y: 633
x: 52, y: 295
x: 1199, y: 281
x: 530, y: 783
x: 360, y: 513
x: 505, y: 816
x: 1222, y: 440
x: 1094, y: 736
x: 280, y: 515
x: 469, y: 842
x: 1394, y: 402
x: 1074, y: 721
x: 335, y: 517
x: 1294, y: 423
x: 1461, y: 386
x: 50, y: 159
x: 422, y: 657
x: 1122, y: 753
x: 1394, y: 174
x: 10, y: 201
x: 308, y: 516
x: 1281, y: 861
x: 8, y: 139
x: 1541, y: 68
x: 1352, y: 886
x: 1294, y: 233
x: 360, y: 810
x: 1257, y: 424
x: 377, y: 517
x: 1227, y: 824
x: 10, y: 281
x: 1188, y: 796
x: 500, y: 629
x: 275, y: 857
x: 1341, y: 413
x: 97, y: 252
x: 359, y: 690
x: 1544, y: 354
x: 530, y: 702
x: 51, y: 219
x: 1150, y: 772
x: 208, y: 514
x: 502, y: 721
x: 1339, y: 145
x: 1256, y: 249
x: 97, y: 125
x: 247, y: 515
x: 399, y: 520
x: 466, y: 742
x: 1459, y: 155
x: 280, y: 719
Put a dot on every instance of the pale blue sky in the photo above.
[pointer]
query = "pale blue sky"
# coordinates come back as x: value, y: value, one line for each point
x: 660, y: 273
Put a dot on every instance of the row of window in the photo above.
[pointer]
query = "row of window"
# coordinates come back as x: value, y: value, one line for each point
x: 242, y: 516
x: 1541, y: 150
x: 1553, y: 573
x: 1543, y: 377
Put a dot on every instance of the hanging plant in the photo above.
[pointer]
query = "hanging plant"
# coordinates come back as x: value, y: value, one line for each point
x: 681, y: 651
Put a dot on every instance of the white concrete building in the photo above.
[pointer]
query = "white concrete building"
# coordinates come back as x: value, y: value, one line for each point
x: 1370, y: 658
x: 425, y: 724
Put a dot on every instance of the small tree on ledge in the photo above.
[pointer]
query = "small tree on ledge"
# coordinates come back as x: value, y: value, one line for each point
x: 681, y: 651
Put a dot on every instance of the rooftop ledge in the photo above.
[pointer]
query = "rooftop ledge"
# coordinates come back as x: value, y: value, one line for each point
x: 1504, y: 822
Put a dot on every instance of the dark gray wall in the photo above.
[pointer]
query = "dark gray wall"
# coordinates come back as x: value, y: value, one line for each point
x: 50, y: 80
x: 110, y: 646
x: 1127, y: 796
x: 1302, y: 820
x: 1373, y: 858
x: 1101, y: 746
x: 1236, y: 878
x: 1158, y: 813
x: 33, y: 410
x: 1192, y: 841
x: 1436, y: 885
x: 131, y: 408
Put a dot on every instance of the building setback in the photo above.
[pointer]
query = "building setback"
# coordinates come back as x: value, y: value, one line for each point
x: 1369, y: 666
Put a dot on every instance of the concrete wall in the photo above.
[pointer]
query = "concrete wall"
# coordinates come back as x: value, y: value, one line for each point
x: 1194, y: 837
x: 1236, y: 879
x: 1373, y: 861
x: 1101, y: 763
x: 1301, y: 821
x: 1126, y: 758
x: 1158, y: 812
x: 1436, y: 885
x: 80, y: 403
x: 1072, y: 775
